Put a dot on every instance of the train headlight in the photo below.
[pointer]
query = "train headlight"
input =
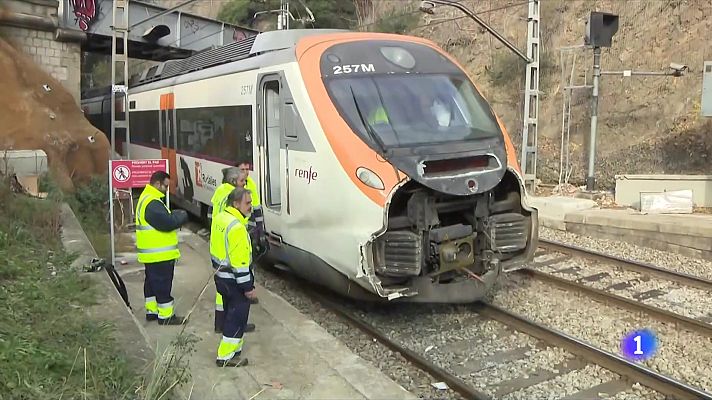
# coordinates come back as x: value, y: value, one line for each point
x: 369, y: 178
x: 398, y: 56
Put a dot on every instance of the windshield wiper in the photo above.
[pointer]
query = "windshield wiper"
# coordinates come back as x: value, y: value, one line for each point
x: 369, y: 129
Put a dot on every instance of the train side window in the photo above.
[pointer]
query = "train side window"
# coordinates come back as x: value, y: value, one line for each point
x: 221, y: 134
x: 273, y: 140
x: 144, y: 128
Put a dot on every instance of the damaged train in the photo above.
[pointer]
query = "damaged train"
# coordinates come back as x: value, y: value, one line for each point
x: 383, y: 172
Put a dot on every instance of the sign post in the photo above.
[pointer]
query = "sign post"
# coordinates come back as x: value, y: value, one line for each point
x: 130, y: 174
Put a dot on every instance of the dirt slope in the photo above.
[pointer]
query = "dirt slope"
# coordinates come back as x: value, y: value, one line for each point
x: 33, y: 118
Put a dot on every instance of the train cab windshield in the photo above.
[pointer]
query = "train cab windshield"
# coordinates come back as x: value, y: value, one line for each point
x: 405, y: 95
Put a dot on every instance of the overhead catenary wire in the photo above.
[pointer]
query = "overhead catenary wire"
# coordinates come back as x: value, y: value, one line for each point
x: 418, y: 11
x: 491, y: 10
x: 518, y: 4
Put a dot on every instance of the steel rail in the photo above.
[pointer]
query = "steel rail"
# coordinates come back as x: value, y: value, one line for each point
x: 659, y: 313
x: 642, y: 267
x: 612, y: 362
x: 416, y: 359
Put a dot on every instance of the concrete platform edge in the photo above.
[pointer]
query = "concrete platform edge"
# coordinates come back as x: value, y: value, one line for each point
x: 112, y: 308
x: 352, y: 369
x: 650, y: 235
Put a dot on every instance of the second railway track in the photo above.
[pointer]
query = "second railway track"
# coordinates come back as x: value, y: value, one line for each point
x: 662, y: 293
x: 627, y: 264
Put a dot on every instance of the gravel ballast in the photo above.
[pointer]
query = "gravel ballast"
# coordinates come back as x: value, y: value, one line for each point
x: 391, y: 364
x: 681, y: 355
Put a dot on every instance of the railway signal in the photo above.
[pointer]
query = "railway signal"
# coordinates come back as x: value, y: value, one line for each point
x: 600, y: 29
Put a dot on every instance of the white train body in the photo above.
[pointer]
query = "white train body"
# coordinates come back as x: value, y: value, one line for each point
x: 359, y: 214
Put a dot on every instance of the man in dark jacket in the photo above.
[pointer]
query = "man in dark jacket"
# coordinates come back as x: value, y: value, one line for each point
x: 157, y: 247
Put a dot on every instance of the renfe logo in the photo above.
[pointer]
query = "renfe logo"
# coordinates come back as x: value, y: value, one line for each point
x: 308, y: 175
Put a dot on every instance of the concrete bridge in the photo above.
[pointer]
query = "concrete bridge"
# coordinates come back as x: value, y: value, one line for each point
x: 55, y: 32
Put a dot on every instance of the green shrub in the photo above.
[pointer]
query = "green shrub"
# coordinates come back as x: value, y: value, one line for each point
x: 46, y: 340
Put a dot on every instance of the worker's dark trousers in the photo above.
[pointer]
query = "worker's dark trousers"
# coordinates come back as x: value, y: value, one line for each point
x: 237, y: 308
x: 158, y: 284
x: 219, y: 311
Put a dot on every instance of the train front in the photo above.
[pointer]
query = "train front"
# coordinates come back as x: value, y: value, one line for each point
x: 455, y: 213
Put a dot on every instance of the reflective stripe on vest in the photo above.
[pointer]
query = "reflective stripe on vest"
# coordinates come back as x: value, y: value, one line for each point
x: 153, y: 245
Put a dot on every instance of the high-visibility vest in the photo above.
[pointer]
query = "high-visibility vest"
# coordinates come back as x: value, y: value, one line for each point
x: 230, y: 245
x: 153, y: 245
x: 378, y: 116
x: 252, y: 187
x: 219, y: 200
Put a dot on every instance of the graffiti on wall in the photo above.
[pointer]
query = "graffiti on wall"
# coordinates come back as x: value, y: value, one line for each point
x: 196, y: 33
x: 191, y: 25
x: 85, y: 12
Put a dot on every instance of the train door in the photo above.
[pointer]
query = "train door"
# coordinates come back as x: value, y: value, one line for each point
x: 168, y: 137
x: 272, y: 171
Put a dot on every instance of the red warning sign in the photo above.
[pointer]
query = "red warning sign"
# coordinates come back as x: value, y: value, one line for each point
x: 127, y: 174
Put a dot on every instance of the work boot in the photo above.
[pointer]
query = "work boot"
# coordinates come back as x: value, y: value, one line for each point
x: 250, y: 328
x: 151, y: 317
x: 254, y: 301
x: 173, y: 320
x: 236, y: 361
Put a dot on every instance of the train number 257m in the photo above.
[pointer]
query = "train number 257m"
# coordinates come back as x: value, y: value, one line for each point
x: 347, y: 69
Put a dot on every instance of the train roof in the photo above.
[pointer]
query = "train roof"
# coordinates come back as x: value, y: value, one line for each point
x: 253, y: 52
x: 251, y: 46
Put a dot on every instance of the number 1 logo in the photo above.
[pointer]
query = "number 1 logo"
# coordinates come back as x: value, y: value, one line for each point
x: 637, y: 340
x: 639, y: 345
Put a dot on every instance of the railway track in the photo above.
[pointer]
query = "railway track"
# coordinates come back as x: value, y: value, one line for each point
x: 639, y: 287
x: 582, y: 355
x: 631, y: 265
x: 617, y: 375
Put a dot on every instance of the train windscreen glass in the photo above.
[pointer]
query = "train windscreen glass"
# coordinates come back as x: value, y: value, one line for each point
x: 405, y: 95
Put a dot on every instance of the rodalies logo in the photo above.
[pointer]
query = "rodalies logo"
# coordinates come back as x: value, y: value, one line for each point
x: 198, y: 172
x: 201, y: 179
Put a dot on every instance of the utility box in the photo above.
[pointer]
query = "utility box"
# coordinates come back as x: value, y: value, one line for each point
x: 706, y: 104
x: 600, y: 29
x: 27, y: 166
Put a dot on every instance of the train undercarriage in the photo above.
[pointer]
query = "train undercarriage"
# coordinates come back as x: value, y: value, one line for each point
x: 446, y: 248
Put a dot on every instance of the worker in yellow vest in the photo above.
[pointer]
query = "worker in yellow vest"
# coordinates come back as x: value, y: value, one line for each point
x: 256, y: 223
x: 378, y: 116
x: 157, y: 248
x: 232, y: 178
x: 230, y: 247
